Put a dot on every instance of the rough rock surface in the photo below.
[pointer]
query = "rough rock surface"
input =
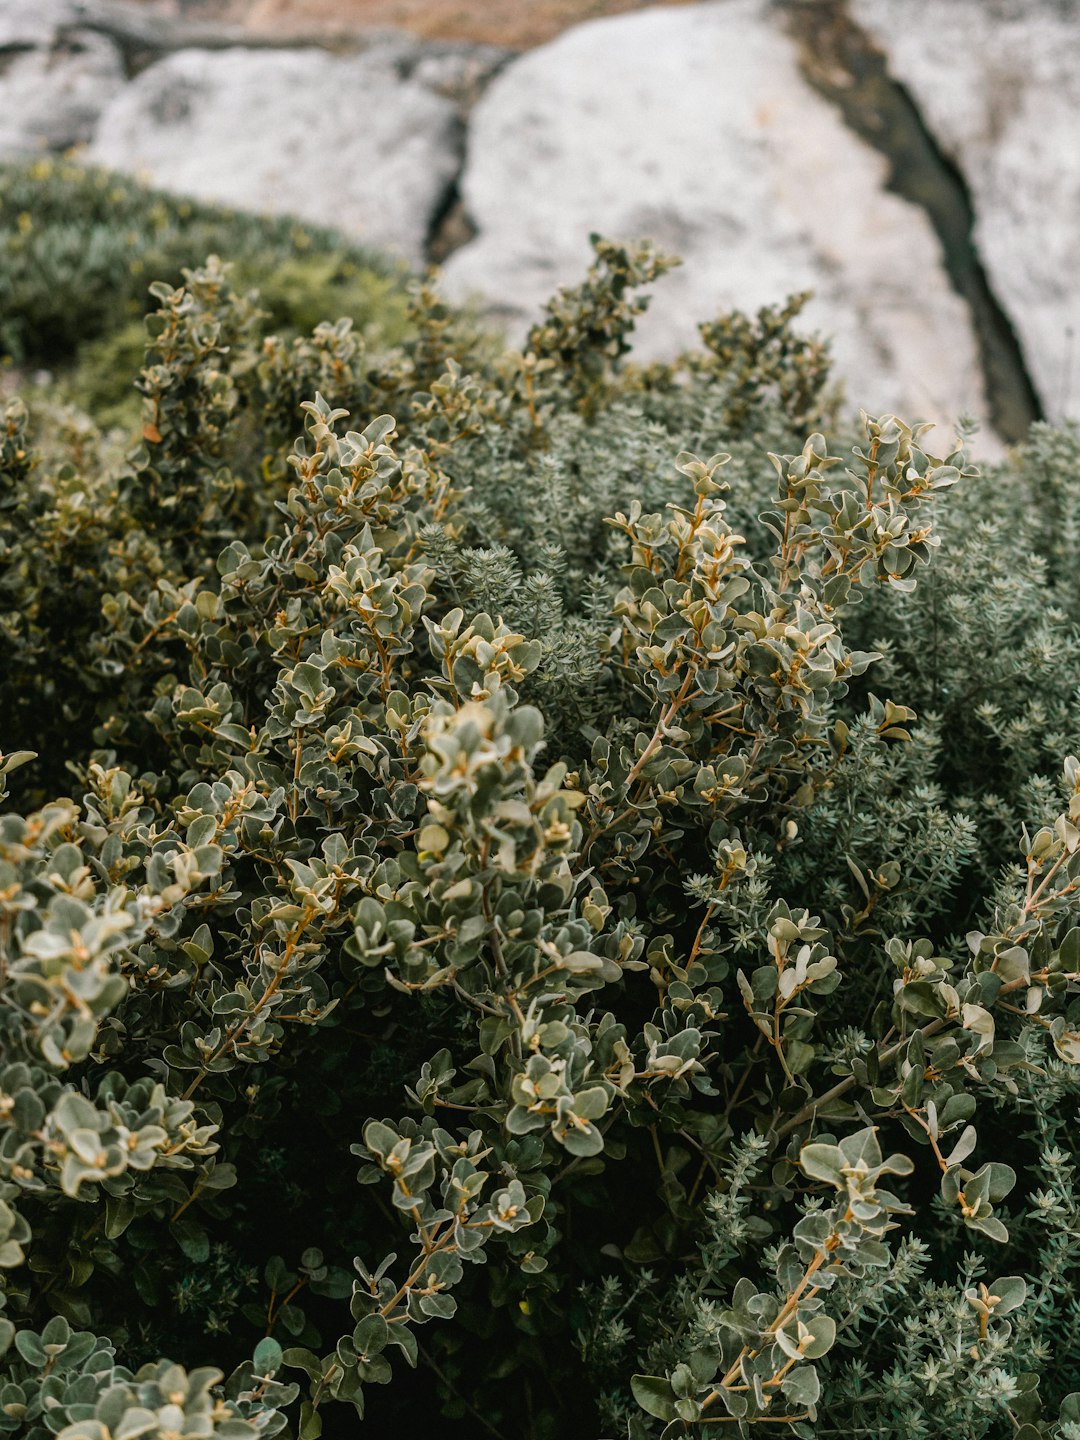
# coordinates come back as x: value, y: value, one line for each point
x: 335, y: 140
x: 998, y: 84
x: 694, y: 126
x: 33, y: 22
x: 52, y: 95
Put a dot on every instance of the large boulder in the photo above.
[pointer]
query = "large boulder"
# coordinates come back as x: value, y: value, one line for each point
x: 696, y: 127
x: 998, y: 84
x: 334, y: 140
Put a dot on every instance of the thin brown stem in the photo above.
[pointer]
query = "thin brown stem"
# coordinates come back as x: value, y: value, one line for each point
x: 271, y: 989
x: 661, y: 726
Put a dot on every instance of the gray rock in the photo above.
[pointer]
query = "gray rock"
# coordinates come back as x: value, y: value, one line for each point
x: 33, y: 22
x: 459, y: 72
x: 51, y: 96
x: 998, y: 83
x: 340, y: 141
x: 694, y: 125
x: 43, y: 22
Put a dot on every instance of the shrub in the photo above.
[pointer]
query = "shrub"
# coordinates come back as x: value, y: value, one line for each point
x: 79, y: 246
x: 497, y: 793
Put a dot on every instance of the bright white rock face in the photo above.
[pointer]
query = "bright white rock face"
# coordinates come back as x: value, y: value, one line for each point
x: 695, y: 127
x: 338, y: 141
x: 998, y: 85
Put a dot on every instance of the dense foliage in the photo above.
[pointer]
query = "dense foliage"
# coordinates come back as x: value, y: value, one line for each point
x: 641, y: 832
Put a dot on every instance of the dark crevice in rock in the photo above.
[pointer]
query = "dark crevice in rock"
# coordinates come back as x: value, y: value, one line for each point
x: 845, y: 66
x: 451, y: 227
x: 134, y: 57
x: 10, y: 53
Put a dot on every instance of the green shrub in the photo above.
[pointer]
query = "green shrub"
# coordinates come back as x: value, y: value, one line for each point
x: 79, y: 246
x: 525, y: 795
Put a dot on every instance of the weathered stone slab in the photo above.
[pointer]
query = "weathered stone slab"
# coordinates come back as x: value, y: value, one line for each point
x: 998, y: 83
x: 335, y: 140
x: 694, y: 126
